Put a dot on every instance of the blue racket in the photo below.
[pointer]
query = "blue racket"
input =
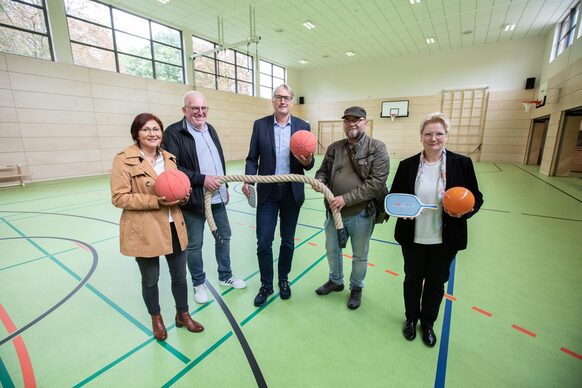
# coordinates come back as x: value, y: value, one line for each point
x: 405, y: 205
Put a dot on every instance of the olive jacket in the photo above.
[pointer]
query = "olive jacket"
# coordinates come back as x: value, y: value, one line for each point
x: 144, y: 225
x: 372, y: 164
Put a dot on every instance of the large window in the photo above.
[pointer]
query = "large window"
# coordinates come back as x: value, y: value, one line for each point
x: 24, y: 28
x: 107, y: 38
x: 227, y: 70
x: 271, y: 77
x: 565, y: 31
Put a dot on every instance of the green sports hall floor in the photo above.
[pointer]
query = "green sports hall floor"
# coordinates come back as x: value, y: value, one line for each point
x: 71, y: 312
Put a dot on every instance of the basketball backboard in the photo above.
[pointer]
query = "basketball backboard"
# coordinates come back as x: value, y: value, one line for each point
x: 391, y: 107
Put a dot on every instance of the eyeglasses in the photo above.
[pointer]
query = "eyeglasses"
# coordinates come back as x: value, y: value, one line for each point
x: 282, y: 98
x: 151, y: 130
x: 197, y: 109
x: 430, y: 135
x: 354, y: 121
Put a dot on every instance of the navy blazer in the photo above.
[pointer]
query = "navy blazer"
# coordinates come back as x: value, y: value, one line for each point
x: 460, y: 172
x: 261, y: 159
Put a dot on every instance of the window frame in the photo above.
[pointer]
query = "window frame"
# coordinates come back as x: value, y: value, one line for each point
x: 271, y: 78
x: 117, y: 52
x: 43, y: 8
x: 217, y: 72
x: 565, y: 31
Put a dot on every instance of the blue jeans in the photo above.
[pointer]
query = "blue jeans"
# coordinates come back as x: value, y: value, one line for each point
x: 150, y: 274
x: 195, y: 226
x: 359, y: 229
x: 279, y: 204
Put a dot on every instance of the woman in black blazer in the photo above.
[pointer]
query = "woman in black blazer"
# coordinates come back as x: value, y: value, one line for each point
x: 430, y: 241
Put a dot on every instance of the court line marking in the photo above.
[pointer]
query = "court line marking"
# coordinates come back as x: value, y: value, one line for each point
x: 441, y: 370
x: 5, y: 379
x: 571, y: 353
x: 197, y: 360
x: 124, y: 313
x: 525, y: 331
x: 548, y: 183
x: 486, y: 313
x: 81, y: 283
x: 188, y: 367
x: 259, y: 378
x: 23, y: 357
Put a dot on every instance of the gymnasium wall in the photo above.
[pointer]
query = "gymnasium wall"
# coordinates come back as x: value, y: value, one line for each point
x: 503, y: 67
x: 60, y: 120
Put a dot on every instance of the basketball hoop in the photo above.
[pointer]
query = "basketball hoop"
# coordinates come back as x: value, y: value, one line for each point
x: 392, y: 116
x: 528, y: 104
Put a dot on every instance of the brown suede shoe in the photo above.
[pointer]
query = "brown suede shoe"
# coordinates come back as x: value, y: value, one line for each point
x: 184, y: 319
x: 159, y: 328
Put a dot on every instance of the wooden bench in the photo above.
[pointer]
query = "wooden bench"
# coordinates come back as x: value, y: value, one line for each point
x: 12, y: 172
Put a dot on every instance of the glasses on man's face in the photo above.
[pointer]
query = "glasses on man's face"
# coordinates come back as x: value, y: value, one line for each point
x: 354, y: 121
x: 151, y: 130
x: 196, y: 109
x: 437, y: 135
x: 282, y: 98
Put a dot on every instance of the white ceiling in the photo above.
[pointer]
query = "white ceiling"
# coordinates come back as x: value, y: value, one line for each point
x: 372, y: 29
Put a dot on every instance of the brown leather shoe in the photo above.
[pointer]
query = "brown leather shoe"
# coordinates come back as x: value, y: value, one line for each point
x: 159, y: 328
x: 184, y: 319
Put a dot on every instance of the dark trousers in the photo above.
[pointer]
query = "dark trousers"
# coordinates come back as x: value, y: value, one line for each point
x: 150, y: 273
x: 279, y: 204
x: 429, y: 264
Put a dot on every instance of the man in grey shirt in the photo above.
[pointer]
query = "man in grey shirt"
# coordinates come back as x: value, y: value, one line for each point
x: 199, y: 155
x: 355, y: 169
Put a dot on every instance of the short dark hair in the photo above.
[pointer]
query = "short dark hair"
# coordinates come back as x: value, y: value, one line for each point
x: 139, y: 121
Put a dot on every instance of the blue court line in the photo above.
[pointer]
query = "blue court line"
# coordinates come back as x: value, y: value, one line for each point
x: 4, y: 376
x: 441, y: 371
x: 124, y: 313
x: 61, y: 208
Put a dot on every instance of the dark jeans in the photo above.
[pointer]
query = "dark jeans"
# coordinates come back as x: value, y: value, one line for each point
x: 150, y: 273
x: 279, y: 204
x: 429, y: 264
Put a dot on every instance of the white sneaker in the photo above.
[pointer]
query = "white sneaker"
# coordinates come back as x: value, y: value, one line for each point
x: 200, y: 295
x: 233, y: 282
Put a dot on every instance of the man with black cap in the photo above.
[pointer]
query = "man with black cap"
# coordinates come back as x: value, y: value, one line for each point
x: 355, y: 169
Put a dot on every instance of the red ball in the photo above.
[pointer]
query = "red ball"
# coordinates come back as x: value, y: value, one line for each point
x: 173, y: 184
x: 458, y: 200
x: 303, y: 143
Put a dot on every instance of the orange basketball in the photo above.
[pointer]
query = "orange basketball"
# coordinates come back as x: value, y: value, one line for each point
x: 173, y: 184
x: 303, y: 143
x: 458, y: 200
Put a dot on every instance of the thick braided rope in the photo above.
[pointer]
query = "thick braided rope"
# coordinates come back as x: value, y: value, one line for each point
x: 270, y: 179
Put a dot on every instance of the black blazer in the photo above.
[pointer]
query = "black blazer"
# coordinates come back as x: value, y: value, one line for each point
x: 460, y: 172
x: 261, y: 159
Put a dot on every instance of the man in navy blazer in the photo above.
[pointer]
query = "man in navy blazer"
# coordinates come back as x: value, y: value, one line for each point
x: 269, y: 154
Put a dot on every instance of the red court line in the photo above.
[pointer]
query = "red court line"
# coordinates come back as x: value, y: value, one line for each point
x: 240, y: 223
x: 391, y: 272
x: 371, y: 265
x: 21, y: 351
x: 525, y: 331
x: 253, y: 227
x: 82, y: 246
x: 571, y: 353
x: 450, y: 297
x: 487, y: 313
x: 297, y: 238
x: 348, y: 256
x: 312, y: 244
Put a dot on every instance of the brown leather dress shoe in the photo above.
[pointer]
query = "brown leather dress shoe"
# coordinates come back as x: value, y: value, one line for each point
x: 159, y: 328
x: 184, y: 319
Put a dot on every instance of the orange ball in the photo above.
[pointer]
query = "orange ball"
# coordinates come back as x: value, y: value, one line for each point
x: 458, y: 200
x: 303, y: 143
x: 172, y: 184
